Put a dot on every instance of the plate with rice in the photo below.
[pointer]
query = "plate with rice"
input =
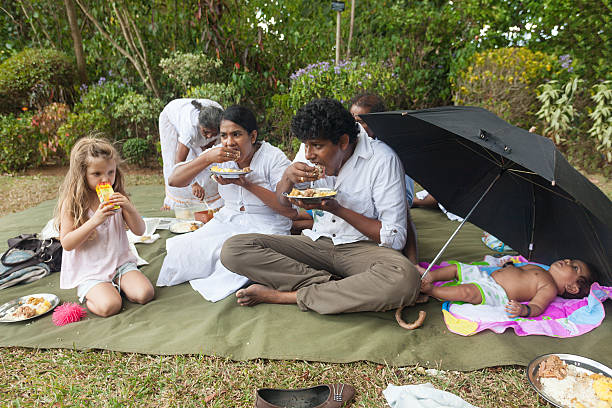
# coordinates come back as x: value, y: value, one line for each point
x: 28, y: 307
x: 567, y: 380
x: 229, y: 172
x: 312, y: 195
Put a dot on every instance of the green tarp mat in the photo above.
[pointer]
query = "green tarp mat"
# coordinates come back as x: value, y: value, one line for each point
x: 180, y: 321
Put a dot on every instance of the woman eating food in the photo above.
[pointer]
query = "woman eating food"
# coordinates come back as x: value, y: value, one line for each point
x: 251, y: 205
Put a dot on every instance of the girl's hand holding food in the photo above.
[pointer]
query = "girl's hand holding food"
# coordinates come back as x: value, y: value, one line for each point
x: 104, y: 211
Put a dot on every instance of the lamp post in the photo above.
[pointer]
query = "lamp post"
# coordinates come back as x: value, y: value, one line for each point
x: 338, y: 6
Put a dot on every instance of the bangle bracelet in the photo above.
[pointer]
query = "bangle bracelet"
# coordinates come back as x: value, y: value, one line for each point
x: 528, y: 311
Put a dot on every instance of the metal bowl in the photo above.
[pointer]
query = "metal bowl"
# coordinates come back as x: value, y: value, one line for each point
x: 570, y: 359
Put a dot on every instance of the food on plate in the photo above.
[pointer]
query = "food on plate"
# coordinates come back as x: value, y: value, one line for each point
x: 182, y: 227
x: 310, y: 193
x: 574, y: 387
x: 319, y: 171
x: 40, y: 305
x: 105, y: 191
x: 553, y: 367
x: 24, y: 312
x: 217, y: 169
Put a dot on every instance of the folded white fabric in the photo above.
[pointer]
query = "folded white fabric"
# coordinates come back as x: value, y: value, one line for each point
x: 422, y: 396
x: 453, y: 217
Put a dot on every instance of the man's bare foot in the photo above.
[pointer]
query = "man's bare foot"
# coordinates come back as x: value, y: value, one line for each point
x: 422, y: 298
x: 164, y: 208
x: 257, y: 293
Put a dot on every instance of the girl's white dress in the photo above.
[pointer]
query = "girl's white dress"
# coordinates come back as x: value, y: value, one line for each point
x: 178, y: 122
x: 194, y: 256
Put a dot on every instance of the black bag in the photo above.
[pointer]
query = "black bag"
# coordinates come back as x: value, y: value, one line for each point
x: 48, y: 251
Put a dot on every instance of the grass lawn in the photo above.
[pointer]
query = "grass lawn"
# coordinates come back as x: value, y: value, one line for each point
x: 110, y: 379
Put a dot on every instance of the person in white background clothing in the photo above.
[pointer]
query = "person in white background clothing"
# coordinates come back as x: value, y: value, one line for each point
x: 186, y: 128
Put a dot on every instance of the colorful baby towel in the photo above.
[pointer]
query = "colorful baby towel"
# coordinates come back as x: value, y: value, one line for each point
x: 562, y: 318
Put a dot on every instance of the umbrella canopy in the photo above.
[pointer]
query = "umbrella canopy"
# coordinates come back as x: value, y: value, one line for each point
x: 537, y: 202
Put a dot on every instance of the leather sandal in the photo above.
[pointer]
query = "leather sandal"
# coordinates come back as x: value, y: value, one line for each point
x: 321, y: 396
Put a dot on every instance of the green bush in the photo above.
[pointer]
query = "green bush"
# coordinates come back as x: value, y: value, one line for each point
x: 102, y: 98
x: 19, y: 143
x: 80, y: 125
x: 47, y: 121
x: 138, y: 114
x: 35, y: 77
x: 136, y: 151
x: 602, y: 118
x: 225, y: 94
x: 342, y: 82
x: 504, y: 81
x: 187, y: 69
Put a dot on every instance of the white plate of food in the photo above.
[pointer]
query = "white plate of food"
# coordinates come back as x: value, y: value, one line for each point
x: 229, y: 173
x: 182, y: 227
x: 312, y: 195
x: 566, y: 380
x: 28, y: 307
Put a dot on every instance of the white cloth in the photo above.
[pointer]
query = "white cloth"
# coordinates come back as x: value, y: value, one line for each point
x: 422, y: 396
x: 453, y: 217
x: 194, y: 256
x: 371, y: 183
x: 178, y: 122
x: 98, y: 257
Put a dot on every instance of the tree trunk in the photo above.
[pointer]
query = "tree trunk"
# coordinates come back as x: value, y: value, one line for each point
x: 77, y: 40
x: 348, y: 46
x: 137, y: 53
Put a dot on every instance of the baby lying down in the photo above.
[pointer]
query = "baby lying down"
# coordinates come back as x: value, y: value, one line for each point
x: 511, y: 284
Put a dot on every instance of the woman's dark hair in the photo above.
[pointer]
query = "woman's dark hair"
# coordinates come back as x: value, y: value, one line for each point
x: 324, y: 119
x: 369, y: 100
x: 241, y: 116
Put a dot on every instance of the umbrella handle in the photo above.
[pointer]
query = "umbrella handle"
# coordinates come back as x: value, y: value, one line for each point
x: 460, y: 225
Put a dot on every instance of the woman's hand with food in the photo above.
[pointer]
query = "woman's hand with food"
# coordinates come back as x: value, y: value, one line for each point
x: 222, y: 154
x: 239, y: 181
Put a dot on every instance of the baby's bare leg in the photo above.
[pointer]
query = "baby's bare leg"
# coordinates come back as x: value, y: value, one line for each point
x: 466, y: 292
x: 444, y: 273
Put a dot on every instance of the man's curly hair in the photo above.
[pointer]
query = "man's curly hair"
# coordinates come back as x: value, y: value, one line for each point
x: 324, y: 119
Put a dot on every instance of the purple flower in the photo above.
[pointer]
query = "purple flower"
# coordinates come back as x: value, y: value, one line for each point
x: 101, y: 81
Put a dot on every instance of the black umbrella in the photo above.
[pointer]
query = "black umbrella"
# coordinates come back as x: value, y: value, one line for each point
x: 512, y: 183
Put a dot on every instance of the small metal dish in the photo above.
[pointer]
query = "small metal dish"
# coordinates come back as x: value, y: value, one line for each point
x: 8, y: 308
x: 569, y: 359
x: 312, y: 200
x: 229, y: 174
x: 183, y: 227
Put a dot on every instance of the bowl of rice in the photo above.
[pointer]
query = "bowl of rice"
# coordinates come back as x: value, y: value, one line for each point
x: 567, y: 380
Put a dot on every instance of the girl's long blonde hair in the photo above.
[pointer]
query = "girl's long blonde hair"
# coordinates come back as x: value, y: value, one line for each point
x: 74, y: 192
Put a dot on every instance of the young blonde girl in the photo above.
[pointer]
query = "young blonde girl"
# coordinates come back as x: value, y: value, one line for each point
x: 96, y: 258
